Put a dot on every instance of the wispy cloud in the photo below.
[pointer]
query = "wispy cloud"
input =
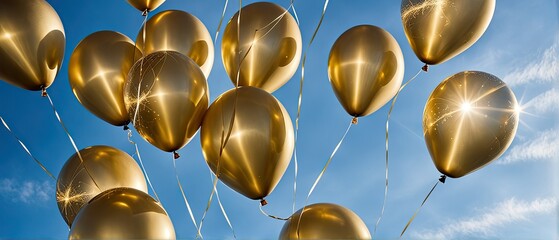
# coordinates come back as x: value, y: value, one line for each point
x: 544, y: 103
x: 484, y: 225
x: 26, y: 191
x: 544, y: 69
x: 543, y: 147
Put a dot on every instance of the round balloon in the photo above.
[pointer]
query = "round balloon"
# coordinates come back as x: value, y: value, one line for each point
x: 32, y: 43
x: 260, y: 145
x: 103, y: 168
x: 97, y: 72
x: 325, y: 221
x: 146, y: 5
x: 365, y: 68
x: 179, y: 31
x: 166, y: 95
x: 470, y: 119
x: 266, y: 45
x: 439, y: 30
x: 122, y: 213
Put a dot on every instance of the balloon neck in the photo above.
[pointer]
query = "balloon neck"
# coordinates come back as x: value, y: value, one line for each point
x: 442, y: 178
x: 43, y: 91
x: 354, y: 120
x: 176, y: 155
x: 425, y: 68
x: 263, y: 202
x: 145, y: 12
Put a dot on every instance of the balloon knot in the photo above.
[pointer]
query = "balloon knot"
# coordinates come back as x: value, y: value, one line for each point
x: 145, y: 12
x: 43, y: 91
x: 354, y: 120
x: 176, y: 155
x: 442, y: 178
x: 425, y: 68
x: 125, y: 128
x: 263, y: 202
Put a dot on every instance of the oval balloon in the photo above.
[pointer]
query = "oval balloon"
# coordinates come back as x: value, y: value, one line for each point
x: 32, y: 43
x: 325, y: 221
x: 166, y: 95
x: 105, y: 166
x: 267, y: 48
x: 97, y: 73
x: 365, y: 68
x: 439, y: 30
x: 179, y: 31
x: 122, y: 213
x: 469, y: 120
x: 261, y: 142
x: 146, y: 5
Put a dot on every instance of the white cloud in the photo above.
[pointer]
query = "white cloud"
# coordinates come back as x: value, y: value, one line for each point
x: 542, y: 147
x: 544, y: 103
x: 27, y: 191
x: 484, y: 225
x: 545, y: 69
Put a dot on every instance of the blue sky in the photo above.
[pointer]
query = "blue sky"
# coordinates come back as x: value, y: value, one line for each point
x: 515, y: 197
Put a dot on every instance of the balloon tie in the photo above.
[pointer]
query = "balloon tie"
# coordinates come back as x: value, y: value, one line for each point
x: 387, y: 152
x: 145, y: 12
x: 125, y: 127
x: 425, y: 68
x: 176, y: 155
x: 184, y: 196
x: 43, y: 91
x: 140, y: 160
x: 82, y: 162
x: 27, y: 150
x: 263, y: 203
x: 442, y: 179
x: 354, y: 121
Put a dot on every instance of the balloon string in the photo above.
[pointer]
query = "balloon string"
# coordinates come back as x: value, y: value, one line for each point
x: 271, y: 216
x: 386, y: 149
x: 142, y: 163
x: 220, y: 21
x: 71, y: 139
x: 214, y: 182
x: 183, y: 195
x: 141, y: 66
x: 353, y: 121
x: 27, y: 150
x: 442, y: 179
x: 300, y: 100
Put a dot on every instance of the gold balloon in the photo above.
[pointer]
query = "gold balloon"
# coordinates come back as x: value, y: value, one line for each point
x: 105, y: 166
x: 122, y: 213
x: 146, y: 5
x: 366, y: 68
x: 470, y: 119
x: 167, y: 100
x: 325, y: 221
x: 260, y: 145
x: 97, y: 72
x: 32, y: 43
x: 273, y: 44
x: 179, y: 31
x: 438, y: 30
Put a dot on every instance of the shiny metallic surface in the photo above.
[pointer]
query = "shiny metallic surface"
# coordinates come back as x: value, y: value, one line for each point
x: 325, y: 221
x: 32, y: 43
x: 146, y: 5
x: 166, y: 95
x: 469, y: 120
x: 272, y: 39
x: 179, y: 31
x: 365, y: 68
x: 122, y: 213
x: 97, y: 72
x: 260, y: 145
x: 438, y: 30
x: 110, y: 167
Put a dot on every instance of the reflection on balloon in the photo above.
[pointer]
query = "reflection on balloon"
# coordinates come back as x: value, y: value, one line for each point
x: 260, y: 146
x: 97, y: 72
x: 366, y: 68
x: 438, y: 30
x: 272, y: 39
x: 470, y: 119
x: 146, y: 5
x: 32, y: 43
x: 122, y: 213
x: 182, y: 32
x: 166, y: 95
x: 325, y: 221
x: 108, y: 166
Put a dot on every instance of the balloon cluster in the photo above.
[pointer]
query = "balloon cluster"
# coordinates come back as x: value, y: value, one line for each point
x: 158, y: 83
